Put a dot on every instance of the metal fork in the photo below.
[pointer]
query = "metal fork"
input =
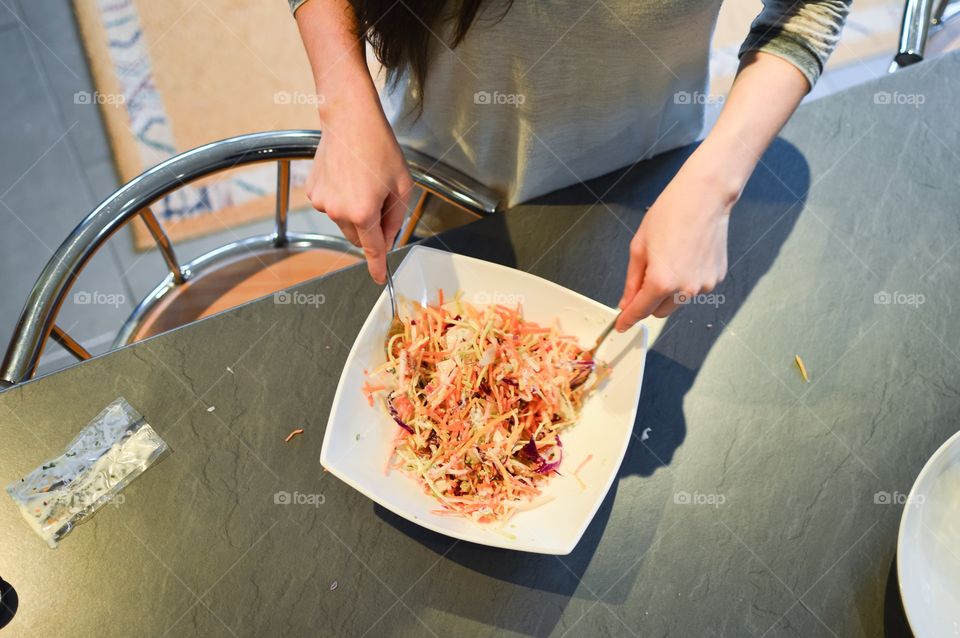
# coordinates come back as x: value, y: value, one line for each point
x: 396, y: 326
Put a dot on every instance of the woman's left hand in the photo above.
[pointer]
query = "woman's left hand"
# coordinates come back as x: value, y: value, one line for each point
x: 680, y: 249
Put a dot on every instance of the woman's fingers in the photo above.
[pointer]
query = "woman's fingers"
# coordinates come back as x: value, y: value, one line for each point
x: 349, y: 231
x: 668, y: 305
x: 647, y: 299
x: 374, y: 248
x: 638, y: 263
x: 394, y: 210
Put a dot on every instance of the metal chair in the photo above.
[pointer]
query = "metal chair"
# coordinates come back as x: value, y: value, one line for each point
x: 921, y: 18
x: 37, y: 321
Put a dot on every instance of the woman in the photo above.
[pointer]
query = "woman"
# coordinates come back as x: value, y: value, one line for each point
x: 532, y: 95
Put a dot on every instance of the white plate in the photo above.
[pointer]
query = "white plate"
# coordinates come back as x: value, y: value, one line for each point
x: 928, y: 548
x: 357, y: 442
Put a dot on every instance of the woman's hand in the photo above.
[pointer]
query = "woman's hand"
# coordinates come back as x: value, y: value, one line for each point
x: 680, y: 249
x: 360, y: 180
x: 359, y: 177
x: 681, y: 245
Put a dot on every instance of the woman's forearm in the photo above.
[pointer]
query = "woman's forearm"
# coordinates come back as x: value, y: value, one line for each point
x: 359, y: 177
x: 765, y: 93
x: 680, y: 249
x: 337, y: 57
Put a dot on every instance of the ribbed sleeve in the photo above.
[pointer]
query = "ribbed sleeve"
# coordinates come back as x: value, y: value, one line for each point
x: 803, y: 32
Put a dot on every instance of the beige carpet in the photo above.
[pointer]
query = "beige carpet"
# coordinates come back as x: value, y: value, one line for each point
x: 177, y: 74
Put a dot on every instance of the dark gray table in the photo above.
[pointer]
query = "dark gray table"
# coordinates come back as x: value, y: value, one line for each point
x: 854, y: 205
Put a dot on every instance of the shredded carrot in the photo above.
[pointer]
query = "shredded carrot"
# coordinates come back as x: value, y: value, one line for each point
x: 480, y: 397
x: 293, y: 434
x: 580, y: 467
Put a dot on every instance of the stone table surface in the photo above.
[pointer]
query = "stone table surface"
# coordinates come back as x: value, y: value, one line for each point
x: 749, y: 503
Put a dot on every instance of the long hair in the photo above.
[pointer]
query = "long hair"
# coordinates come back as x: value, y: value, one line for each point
x: 403, y: 32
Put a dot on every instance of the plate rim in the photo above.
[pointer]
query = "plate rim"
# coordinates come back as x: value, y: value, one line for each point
x: 505, y: 543
x: 907, y: 513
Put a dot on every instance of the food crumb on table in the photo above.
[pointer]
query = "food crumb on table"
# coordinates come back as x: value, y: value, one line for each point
x: 211, y: 408
x: 803, y: 368
x: 334, y: 585
x: 290, y: 436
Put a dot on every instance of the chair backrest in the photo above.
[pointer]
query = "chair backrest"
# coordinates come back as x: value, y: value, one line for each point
x: 37, y: 320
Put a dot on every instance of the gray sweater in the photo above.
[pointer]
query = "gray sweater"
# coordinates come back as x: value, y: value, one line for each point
x: 561, y: 91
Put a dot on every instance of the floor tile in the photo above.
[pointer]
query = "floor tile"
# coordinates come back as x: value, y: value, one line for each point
x: 42, y: 192
x: 7, y: 16
x: 55, y: 41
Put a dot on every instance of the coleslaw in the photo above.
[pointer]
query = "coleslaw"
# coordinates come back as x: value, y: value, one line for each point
x: 480, y: 397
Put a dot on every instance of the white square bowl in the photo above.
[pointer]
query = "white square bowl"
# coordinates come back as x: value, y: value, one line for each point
x: 358, y: 439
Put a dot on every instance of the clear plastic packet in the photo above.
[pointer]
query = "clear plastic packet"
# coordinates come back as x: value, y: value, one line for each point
x: 113, y: 449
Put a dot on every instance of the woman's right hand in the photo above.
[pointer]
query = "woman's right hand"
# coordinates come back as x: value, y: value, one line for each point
x: 359, y: 177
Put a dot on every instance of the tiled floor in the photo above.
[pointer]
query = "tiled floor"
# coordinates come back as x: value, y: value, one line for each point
x: 55, y: 166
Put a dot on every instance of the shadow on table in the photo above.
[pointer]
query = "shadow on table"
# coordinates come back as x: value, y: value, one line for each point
x: 895, y: 623
x: 760, y: 224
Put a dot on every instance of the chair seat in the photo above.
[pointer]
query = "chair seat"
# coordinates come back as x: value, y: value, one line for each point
x: 243, y: 279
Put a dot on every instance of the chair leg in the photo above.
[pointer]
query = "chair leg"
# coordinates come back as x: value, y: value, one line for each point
x: 69, y: 343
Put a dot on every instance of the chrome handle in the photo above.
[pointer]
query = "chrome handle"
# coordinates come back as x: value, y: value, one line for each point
x: 37, y: 317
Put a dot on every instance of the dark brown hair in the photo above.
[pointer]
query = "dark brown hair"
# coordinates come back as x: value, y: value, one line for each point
x: 403, y: 32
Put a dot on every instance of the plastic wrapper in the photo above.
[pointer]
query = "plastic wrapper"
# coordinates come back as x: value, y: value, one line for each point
x: 113, y: 449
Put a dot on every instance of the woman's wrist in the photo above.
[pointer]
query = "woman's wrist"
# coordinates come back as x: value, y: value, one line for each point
x: 720, y: 169
x: 347, y: 93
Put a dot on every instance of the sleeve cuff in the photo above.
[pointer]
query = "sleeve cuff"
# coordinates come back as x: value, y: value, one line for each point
x: 295, y: 4
x: 787, y: 47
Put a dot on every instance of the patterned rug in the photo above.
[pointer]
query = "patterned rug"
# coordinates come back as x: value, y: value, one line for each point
x: 173, y: 75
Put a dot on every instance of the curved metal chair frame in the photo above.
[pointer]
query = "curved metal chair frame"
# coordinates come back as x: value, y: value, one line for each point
x: 38, y: 319
x: 921, y: 18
